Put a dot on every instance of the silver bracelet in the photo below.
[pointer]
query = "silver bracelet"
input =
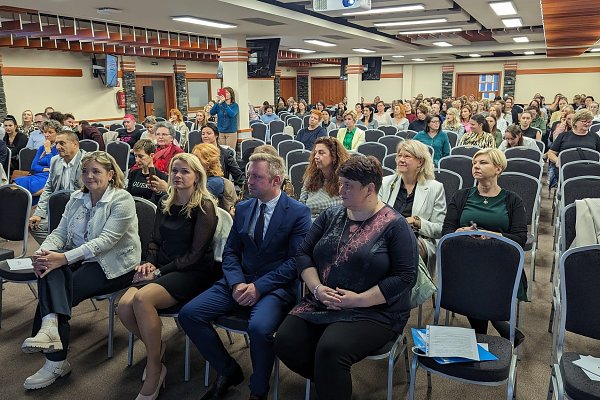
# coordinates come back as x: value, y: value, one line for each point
x: 315, y: 291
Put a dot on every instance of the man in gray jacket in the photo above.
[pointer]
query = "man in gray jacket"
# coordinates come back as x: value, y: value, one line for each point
x: 65, y: 174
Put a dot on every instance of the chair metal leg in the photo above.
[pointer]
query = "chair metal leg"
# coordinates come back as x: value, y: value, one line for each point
x: 413, y: 378
x: 111, y: 323
x: 94, y: 304
x: 428, y: 381
x: 276, y: 379
x: 206, y: 373
x: 420, y: 316
x: 390, y: 376
x: 307, y: 390
x: 406, y: 360
x: 130, y: 340
x: 32, y: 290
x: 186, y: 360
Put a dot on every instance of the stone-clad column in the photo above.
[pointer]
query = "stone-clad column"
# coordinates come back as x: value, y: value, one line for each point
x: 3, y: 109
x: 181, y: 87
x: 277, y: 86
x: 510, y: 79
x: 447, y: 80
x: 302, y: 84
x: 128, y: 69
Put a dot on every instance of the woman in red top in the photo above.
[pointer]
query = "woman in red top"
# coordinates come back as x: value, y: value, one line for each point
x: 166, y: 149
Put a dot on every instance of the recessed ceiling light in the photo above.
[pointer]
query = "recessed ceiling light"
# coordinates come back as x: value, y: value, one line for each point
x: 521, y: 39
x: 502, y: 8
x: 442, y: 44
x: 387, y: 10
x: 414, y: 22
x: 403, y: 56
x: 595, y: 50
x: 418, y: 59
x: 529, y: 53
x: 444, y: 30
x: 319, y: 43
x: 306, y: 51
x: 203, y: 22
x: 361, y: 50
x: 512, y: 22
x: 474, y: 55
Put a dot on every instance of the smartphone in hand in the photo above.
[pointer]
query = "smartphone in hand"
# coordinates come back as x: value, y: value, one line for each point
x: 151, y: 171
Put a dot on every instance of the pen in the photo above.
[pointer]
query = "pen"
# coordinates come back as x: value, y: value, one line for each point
x: 473, y: 225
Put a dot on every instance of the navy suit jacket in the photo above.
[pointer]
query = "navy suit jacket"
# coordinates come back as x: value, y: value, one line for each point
x: 272, y: 267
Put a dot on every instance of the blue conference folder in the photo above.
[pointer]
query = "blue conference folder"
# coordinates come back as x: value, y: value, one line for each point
x: 419, y: 348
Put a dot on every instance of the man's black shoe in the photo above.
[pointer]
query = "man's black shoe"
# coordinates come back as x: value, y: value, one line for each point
x: 220, y: 387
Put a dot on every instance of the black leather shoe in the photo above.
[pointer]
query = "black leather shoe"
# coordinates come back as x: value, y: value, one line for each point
x: 220, y: 387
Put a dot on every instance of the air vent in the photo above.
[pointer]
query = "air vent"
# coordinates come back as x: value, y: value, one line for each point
x: 262, y: 21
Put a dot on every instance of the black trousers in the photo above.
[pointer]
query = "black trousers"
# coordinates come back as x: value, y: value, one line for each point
x: 64, y: 288
x: 325, y: 353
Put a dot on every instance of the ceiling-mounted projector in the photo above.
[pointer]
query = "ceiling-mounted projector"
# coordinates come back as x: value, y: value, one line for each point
x: 339, y: 7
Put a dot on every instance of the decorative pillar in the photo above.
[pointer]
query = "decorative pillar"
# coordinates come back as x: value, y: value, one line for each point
x: 181, y: 87
x: 510, y: 79
x: 354, y: 71
x: 3, y: 109
x: 277, y: 86
x: 128, y: 69
x: 447, y: 80
x: 408, y: 76
x: 234, y: 55
x: 302, y: 84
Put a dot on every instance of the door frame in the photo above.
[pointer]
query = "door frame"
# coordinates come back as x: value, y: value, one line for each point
x: 171, y: 100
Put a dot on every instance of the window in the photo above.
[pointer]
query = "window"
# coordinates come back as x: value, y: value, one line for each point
x: 488, y: 85
x: 198, y: 93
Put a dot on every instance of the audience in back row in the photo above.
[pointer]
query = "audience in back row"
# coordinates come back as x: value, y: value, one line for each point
x: 138, y: 181
x: 313, y: 131
x: 15, y: 140
x: 176, y: 120
x: 351, y: 136
x: 434, y: 137
x: 36, y: 137
x: 166, y: 149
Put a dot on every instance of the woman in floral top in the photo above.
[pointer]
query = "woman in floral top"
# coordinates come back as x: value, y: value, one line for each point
x: 479, y: 135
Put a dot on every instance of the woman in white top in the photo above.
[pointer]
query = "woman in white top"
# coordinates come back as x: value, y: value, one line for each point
x: 452, y: 122
x: 368, y: 119
x: 399, y: 121
x: 513, y: 137
x: 381, y: 116
x: 501, y: 123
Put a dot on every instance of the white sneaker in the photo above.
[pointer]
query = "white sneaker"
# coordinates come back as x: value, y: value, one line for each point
x: 50, y: 372
x: 47, y: 340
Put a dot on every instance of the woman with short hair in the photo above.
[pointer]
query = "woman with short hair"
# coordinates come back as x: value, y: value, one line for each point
x: 381, y: 116
x: 138, y: 181
x: 435, y: 137
x: 578, y: 137
x: 312, y: 132
x: 166, y: 148
x: 419, y: 124
x: 350, y: 136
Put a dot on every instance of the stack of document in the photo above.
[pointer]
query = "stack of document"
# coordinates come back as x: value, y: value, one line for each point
x: 449, y: 344
x: 590, y: 365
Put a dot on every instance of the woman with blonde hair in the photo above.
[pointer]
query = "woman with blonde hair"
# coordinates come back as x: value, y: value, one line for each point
x: 414, y: 193
x: 176, y: 119
x: 27, y: 126
x: 93, y: 251
x: 452, y: 122
x: 351, y: 136
x: 399, y: 120
x: 200, y: 121
x: 321, y: 182
x: 217, y: 185
x: 149, y: 123
x: 179, y: 263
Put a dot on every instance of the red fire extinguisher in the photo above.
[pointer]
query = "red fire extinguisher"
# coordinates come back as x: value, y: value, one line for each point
x: 121, y: 99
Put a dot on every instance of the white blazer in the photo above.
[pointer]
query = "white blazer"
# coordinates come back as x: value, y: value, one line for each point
x: 429, y: 204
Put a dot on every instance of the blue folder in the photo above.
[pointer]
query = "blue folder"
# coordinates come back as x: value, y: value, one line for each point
x: 419, y: 345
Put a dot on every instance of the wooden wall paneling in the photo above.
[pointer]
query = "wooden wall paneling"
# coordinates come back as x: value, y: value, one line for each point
x: 288, y: 87
x: 329, y: 89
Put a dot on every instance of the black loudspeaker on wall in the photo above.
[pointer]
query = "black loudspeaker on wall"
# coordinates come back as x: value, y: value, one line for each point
x: 148, y: 94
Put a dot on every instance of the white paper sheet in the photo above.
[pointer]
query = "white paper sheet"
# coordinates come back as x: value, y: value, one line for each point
x: 451, y: 341
x: 19, y: 264
x: 590, y: 365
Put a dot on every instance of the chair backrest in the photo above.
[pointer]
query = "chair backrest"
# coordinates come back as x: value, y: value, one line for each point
x: 582, y: 187
x: 286, y: 117
x: 146, y: 213
x: 525, y: 166
x: 296, y: 173
x: 595, y: 128
x: 483, y: 285
x: 114, y: 127
x: 375, y: 149
x: 57, y: 202
x: 451, y: 180
x: 102, y: 129
x: 276, y: 127
x: 389, y: 161
x: 388, y: 129
x: 98, y: 124
x: 462, y: 165
x: 406, y: 134
x: 109, y: 136
x: 14, y: 214
x: 295, y: 123
x: 333, y: 133
x: 89, y: 145
x: 120, y: 151
x: 247, y: 147
x: 361, y: 127
x: 26, y: 157
x: 140, y: 126
x: 410, y: 134
x: 541, y: 145
x: 280, y: 137
x: 579, y: 294
x: 391, y: 142
x: 373, y: 135
x: 569, y: 155
x: 194, y: 138
x: 388, y: 171
x: 452, y: 138
x: 189, y: 124
x: 160, y: 119
x: 305, y: 120
x: 527, y: 187
x: 296, y: 157
x: 285, y: 146
x: 259, y: 131
x: 580, y: 168
x: 523, y: 152
x: 8, y: 162
x: 567, y: 226
x: 466, y: 150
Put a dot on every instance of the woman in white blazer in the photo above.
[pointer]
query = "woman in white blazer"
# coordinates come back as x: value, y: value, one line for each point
x: 351, y: 136
x: 414, y: 193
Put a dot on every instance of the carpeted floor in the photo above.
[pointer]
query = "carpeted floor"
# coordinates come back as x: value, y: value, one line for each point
x: 96, y: 377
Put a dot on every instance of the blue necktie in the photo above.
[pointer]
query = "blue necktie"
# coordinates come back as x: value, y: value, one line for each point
x: 259, y: 228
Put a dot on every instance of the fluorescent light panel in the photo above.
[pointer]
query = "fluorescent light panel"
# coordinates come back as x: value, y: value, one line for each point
x: 204, y: 22
x: 595, y: 50
x: 474, y: 55
x: 387, y: 10
x: 319, y: 43
x: 418, y: 59
x: 502, y: 8
x: 445, y: 30
x: 529, y: 53
x: 414, y: 22
x: 306, y: 51
x: 361, y: 50
x: 512, y: 22
x: 397, y: 56
x: 442, y: 44
x: 521, y: 39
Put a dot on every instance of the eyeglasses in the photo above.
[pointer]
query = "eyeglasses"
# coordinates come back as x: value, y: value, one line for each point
x: 405, y: 156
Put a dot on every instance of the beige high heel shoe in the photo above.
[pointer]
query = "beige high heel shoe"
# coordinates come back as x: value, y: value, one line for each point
x: 161, y: 383
x: 163, y: 350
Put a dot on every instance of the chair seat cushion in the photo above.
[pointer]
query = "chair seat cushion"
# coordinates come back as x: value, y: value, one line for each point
x: 237, y: 320
x: 23, y: 275
x: 529, y: 244
x: 576, y: 383
x: 6, y: 254
x: 485, y: 371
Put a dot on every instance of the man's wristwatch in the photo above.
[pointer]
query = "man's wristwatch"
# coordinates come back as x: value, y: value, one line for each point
x: 157, y: 273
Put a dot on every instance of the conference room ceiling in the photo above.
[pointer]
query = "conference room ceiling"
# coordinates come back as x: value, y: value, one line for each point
x: 478, y: 30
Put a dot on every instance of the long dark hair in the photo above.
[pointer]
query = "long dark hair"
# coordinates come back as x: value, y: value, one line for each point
x: 313, y: 177
x: 480, y: 119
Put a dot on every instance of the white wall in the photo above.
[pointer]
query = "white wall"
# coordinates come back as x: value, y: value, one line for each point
x: 260, y: 90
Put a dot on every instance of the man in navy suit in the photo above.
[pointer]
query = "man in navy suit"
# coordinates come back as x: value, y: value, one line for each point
x: 259, y: 278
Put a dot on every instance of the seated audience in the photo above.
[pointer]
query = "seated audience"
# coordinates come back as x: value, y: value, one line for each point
x: 556, y: 114
x: 36, y: 137
x: 513, y: 137
x: 69, y: 121
x: 269, y: 115
x: 229, y: 165
x: 179, y: 263
x: 538, y: 119
x: 487, y: 207
x: 578, y: 137
x: 302, y: 109
x: 494, y: 130
x: 259, y: 277
x: 351, y: 136
x: 201, y: 120
x: 358, y: 262
x: 465, y: 117
x: 327, y: 123
x: 48, y: 110
x: 176, y: 120
x: 367, y: 118
x: 414, y: 193
x: 89, y: 132
x: 166, y: 149
x: 528, y: 131
x: 399, y: 119
x: 452, y: 122
x: 149, y: 123
x: 321, y: 186
x: 312, y: 132
x: 358, y: 109
x: 564, y: 123
x: 339, y: 119
x: 138, y: 181
x: 60, y: 117
x: 496, y: 111
x: 408, y: 110
x: 40, y: 167
x: 27, y: 126
x: 93, y: 251
x: 15, y: 141
x: 381, y: 116
x: 419, y: 124
x: 64, y: 174
x: 595, y: 110
x: 479, y: 134
x: 221, y: 188
x: 434, y: 136
x: 129, y: 134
